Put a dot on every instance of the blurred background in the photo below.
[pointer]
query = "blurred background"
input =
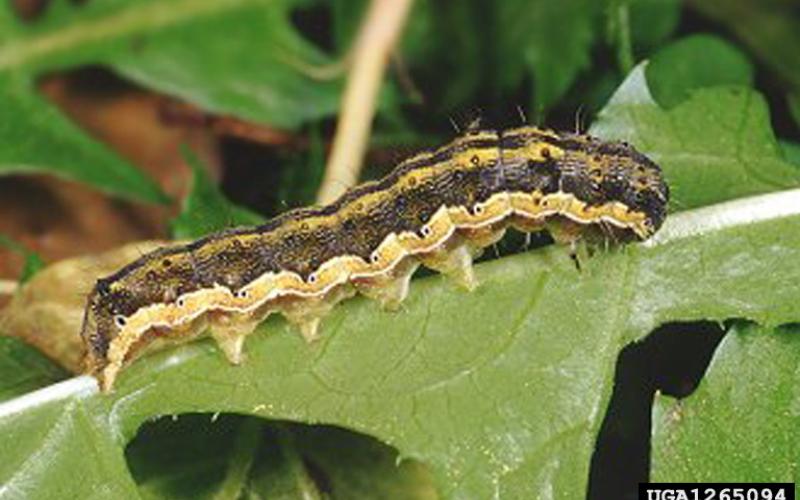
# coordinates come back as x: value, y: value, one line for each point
x: 131, y: 120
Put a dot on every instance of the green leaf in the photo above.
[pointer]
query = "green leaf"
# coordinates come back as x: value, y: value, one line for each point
x: 791, y: 151
x: 35, y: 137
x: 547, y: 42
x: 438, y: 381
x: 717, y: 145
x: 652, y: 22
x: 434, y: 28
x: 33, y: 263
x: 346, y: 17
x: 206, y: 209
x: 261, y: 74
x: 302, y: 173
x: 693, y: 63
x: 24, y: 369
x: 553, y: 40
x: 770, y: 30
x: 741, y: 423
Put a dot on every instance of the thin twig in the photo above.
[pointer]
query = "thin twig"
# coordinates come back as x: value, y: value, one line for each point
x: 404, y: 79
x: 320, y: 72
x: 624, y: 45
x: 374, y: 43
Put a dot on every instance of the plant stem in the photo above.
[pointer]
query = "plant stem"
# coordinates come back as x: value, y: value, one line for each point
x: 374, y: 43
x: 623, y: 37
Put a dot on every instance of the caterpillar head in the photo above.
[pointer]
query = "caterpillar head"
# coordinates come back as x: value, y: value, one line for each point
x: 618, y: 176
x: 99, y: 326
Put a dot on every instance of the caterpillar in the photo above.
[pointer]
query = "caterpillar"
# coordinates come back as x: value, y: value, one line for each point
x: 438, y: 208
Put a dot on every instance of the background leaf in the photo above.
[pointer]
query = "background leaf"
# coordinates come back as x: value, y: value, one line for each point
x: 652, y: 22
x: 554, y: 37
x: 166, y: 46
x: 206, y: 209
x: 551, y: 42
x: 693, y: 63
x: 769, y: 29
x: 34, y: 137
x: 261, y: 74
x: 791, y: 150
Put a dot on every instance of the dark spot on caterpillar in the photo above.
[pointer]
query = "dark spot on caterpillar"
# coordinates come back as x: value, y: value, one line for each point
x: 103, y: 287
x: 166, y: 262
x: 99, y: 344
x: 475, y: 160
x: 546, y: 153
x: 424, y: 214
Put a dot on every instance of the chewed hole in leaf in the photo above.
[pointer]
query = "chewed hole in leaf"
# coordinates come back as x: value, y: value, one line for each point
x: 203, y: 455
x: 672, y: 359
